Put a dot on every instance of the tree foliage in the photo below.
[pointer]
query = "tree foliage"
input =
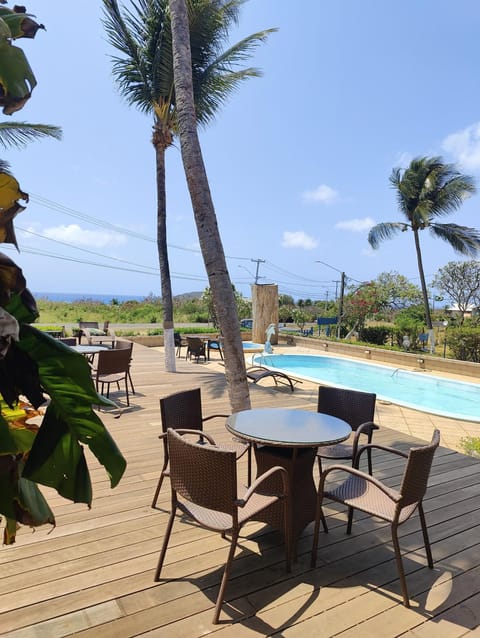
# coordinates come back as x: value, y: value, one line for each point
x: 428, y: 190
x: 460, y: 280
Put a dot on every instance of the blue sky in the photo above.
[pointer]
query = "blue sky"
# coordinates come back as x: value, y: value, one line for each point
x: 298, y: 160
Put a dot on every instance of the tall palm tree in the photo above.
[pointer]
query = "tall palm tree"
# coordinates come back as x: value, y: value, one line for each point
x: 144, y: 75
x: 205, y: 218
x: 427, y: 190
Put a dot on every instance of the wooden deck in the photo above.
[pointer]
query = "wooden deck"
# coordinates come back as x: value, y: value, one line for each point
x: 93, y: 574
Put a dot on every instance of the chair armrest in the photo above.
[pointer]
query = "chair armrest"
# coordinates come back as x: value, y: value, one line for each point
x: 355, y: 472
x: 86, y: 333
x: 366, y: 429
x: 199, y: 433
x: 241, y: 502
x: 214, y: 416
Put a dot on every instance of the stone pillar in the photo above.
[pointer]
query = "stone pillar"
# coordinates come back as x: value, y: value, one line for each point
x: 264, y: 311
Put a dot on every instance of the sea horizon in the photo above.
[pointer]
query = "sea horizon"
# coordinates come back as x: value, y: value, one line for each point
x: 70, y: 297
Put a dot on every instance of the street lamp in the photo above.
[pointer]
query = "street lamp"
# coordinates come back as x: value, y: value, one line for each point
x: 445, y: 324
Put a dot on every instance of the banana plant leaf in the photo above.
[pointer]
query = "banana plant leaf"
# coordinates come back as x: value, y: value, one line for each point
x: 17, y: 80
x: 69, y: 420
x: 20, y: 24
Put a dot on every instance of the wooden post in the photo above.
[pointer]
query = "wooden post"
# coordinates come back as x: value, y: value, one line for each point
x: 264, y: 311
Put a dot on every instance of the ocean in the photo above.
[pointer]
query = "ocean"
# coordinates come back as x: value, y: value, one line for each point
x: 79, y: 296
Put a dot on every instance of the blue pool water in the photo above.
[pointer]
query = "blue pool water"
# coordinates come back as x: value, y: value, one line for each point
x: 250, y: 346
x: 418, y: 390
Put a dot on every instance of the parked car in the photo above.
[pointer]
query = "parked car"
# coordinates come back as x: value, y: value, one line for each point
x: 246, y: 323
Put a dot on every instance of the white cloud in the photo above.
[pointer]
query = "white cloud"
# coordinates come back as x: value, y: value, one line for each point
x: 464, y: 145
x: 356, y: 225
x: 323, y: 194
x: 298, y: 239
x: 73, y: 234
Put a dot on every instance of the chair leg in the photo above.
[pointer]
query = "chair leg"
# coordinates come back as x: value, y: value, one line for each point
x: 401, y: 572
x: 157, y: 490
x: 249, y: 461
x: 166, y: 538
x: 226, y: 574
x: 426, y: 540
x: 369, y: 458
x: 350, y: 520
x: 319, y: 515
x: 126, y: 389
x: 131, y: 382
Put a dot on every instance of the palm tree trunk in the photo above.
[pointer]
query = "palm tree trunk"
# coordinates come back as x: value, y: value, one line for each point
x: 205, y: 217
x: 167, y: 299
x: 428, y: 318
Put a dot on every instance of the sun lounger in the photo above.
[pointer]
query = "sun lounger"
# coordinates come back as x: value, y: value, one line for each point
x: 257, y: 373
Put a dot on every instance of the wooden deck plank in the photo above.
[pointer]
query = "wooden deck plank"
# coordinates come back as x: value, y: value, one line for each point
x: 93, y: 574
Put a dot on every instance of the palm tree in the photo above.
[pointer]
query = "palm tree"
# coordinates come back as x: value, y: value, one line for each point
x: 144, y: 75
x: 427, y: 190
x: 18, y: 134
x: 205, y: 218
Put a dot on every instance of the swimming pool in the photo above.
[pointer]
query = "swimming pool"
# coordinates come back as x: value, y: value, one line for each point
x: 417, y: 390
x: 250, y: 346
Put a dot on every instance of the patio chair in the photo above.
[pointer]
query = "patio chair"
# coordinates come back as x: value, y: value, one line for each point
x: 183, y: 410
x: 113, y: 366
x: 177, y: 338
x: 358, y: 410
x: 121, y: 344
x: 203, y: 481
x: 257, y: 373
x: 68, y: 341
x: 216, y: 346
x: 367, y: 494
x: 196, y: 348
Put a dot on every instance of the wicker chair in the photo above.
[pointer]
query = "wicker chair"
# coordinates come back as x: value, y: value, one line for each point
x: 367, y: 494
x: 121, y: 344
x: 113, y: 366
x: 183, y: 410
x: 196, y: 347
x: 203, y: 482
x: 358, y: 410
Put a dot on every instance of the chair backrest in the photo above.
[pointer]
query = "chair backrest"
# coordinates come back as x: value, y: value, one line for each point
x: 196, y: 345
x: 203, y: 474
x: 69, y: 341
x: 113, y: 361
x: 352, y: 406
x: 88, y: 324
x: 177, y: 338
x: 182, y: 410
x: 417, y: 471
x: 121, y: 344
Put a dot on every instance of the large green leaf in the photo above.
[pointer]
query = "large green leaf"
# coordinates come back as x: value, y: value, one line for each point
x: 57, y: 460
x: 66, y: 377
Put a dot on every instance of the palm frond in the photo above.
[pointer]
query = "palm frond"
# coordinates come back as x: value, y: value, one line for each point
x: 385, y: 230
x: 462, y: 239
x: 19, y: 134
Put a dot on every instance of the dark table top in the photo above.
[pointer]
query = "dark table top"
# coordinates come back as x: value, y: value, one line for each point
x: 287, y: 427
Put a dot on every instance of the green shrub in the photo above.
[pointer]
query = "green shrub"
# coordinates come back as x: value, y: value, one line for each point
x: 471, y: 445
x: 464, y: 343
x: 376, y: 335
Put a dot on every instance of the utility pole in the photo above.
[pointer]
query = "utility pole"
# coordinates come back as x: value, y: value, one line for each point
x: 340, y: 304
x: 258, y: 262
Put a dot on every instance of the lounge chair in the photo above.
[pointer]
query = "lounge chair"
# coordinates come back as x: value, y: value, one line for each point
x: 257, y: 373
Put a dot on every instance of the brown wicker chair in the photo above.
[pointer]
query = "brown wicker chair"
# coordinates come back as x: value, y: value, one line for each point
x: 367, y: 494
x: 196, y: 347
x: 113, y: 366
x: 358, y: 410
x: 203, y: 481
x: 183, y: 410
x: 121, y: 344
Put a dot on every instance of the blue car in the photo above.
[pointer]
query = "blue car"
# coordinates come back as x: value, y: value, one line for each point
x: 246, y: 323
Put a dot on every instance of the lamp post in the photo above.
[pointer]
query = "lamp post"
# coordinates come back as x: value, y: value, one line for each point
x: 445, y: 323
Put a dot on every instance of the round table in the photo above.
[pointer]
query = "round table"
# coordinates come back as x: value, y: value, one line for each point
x: 289, y: 438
